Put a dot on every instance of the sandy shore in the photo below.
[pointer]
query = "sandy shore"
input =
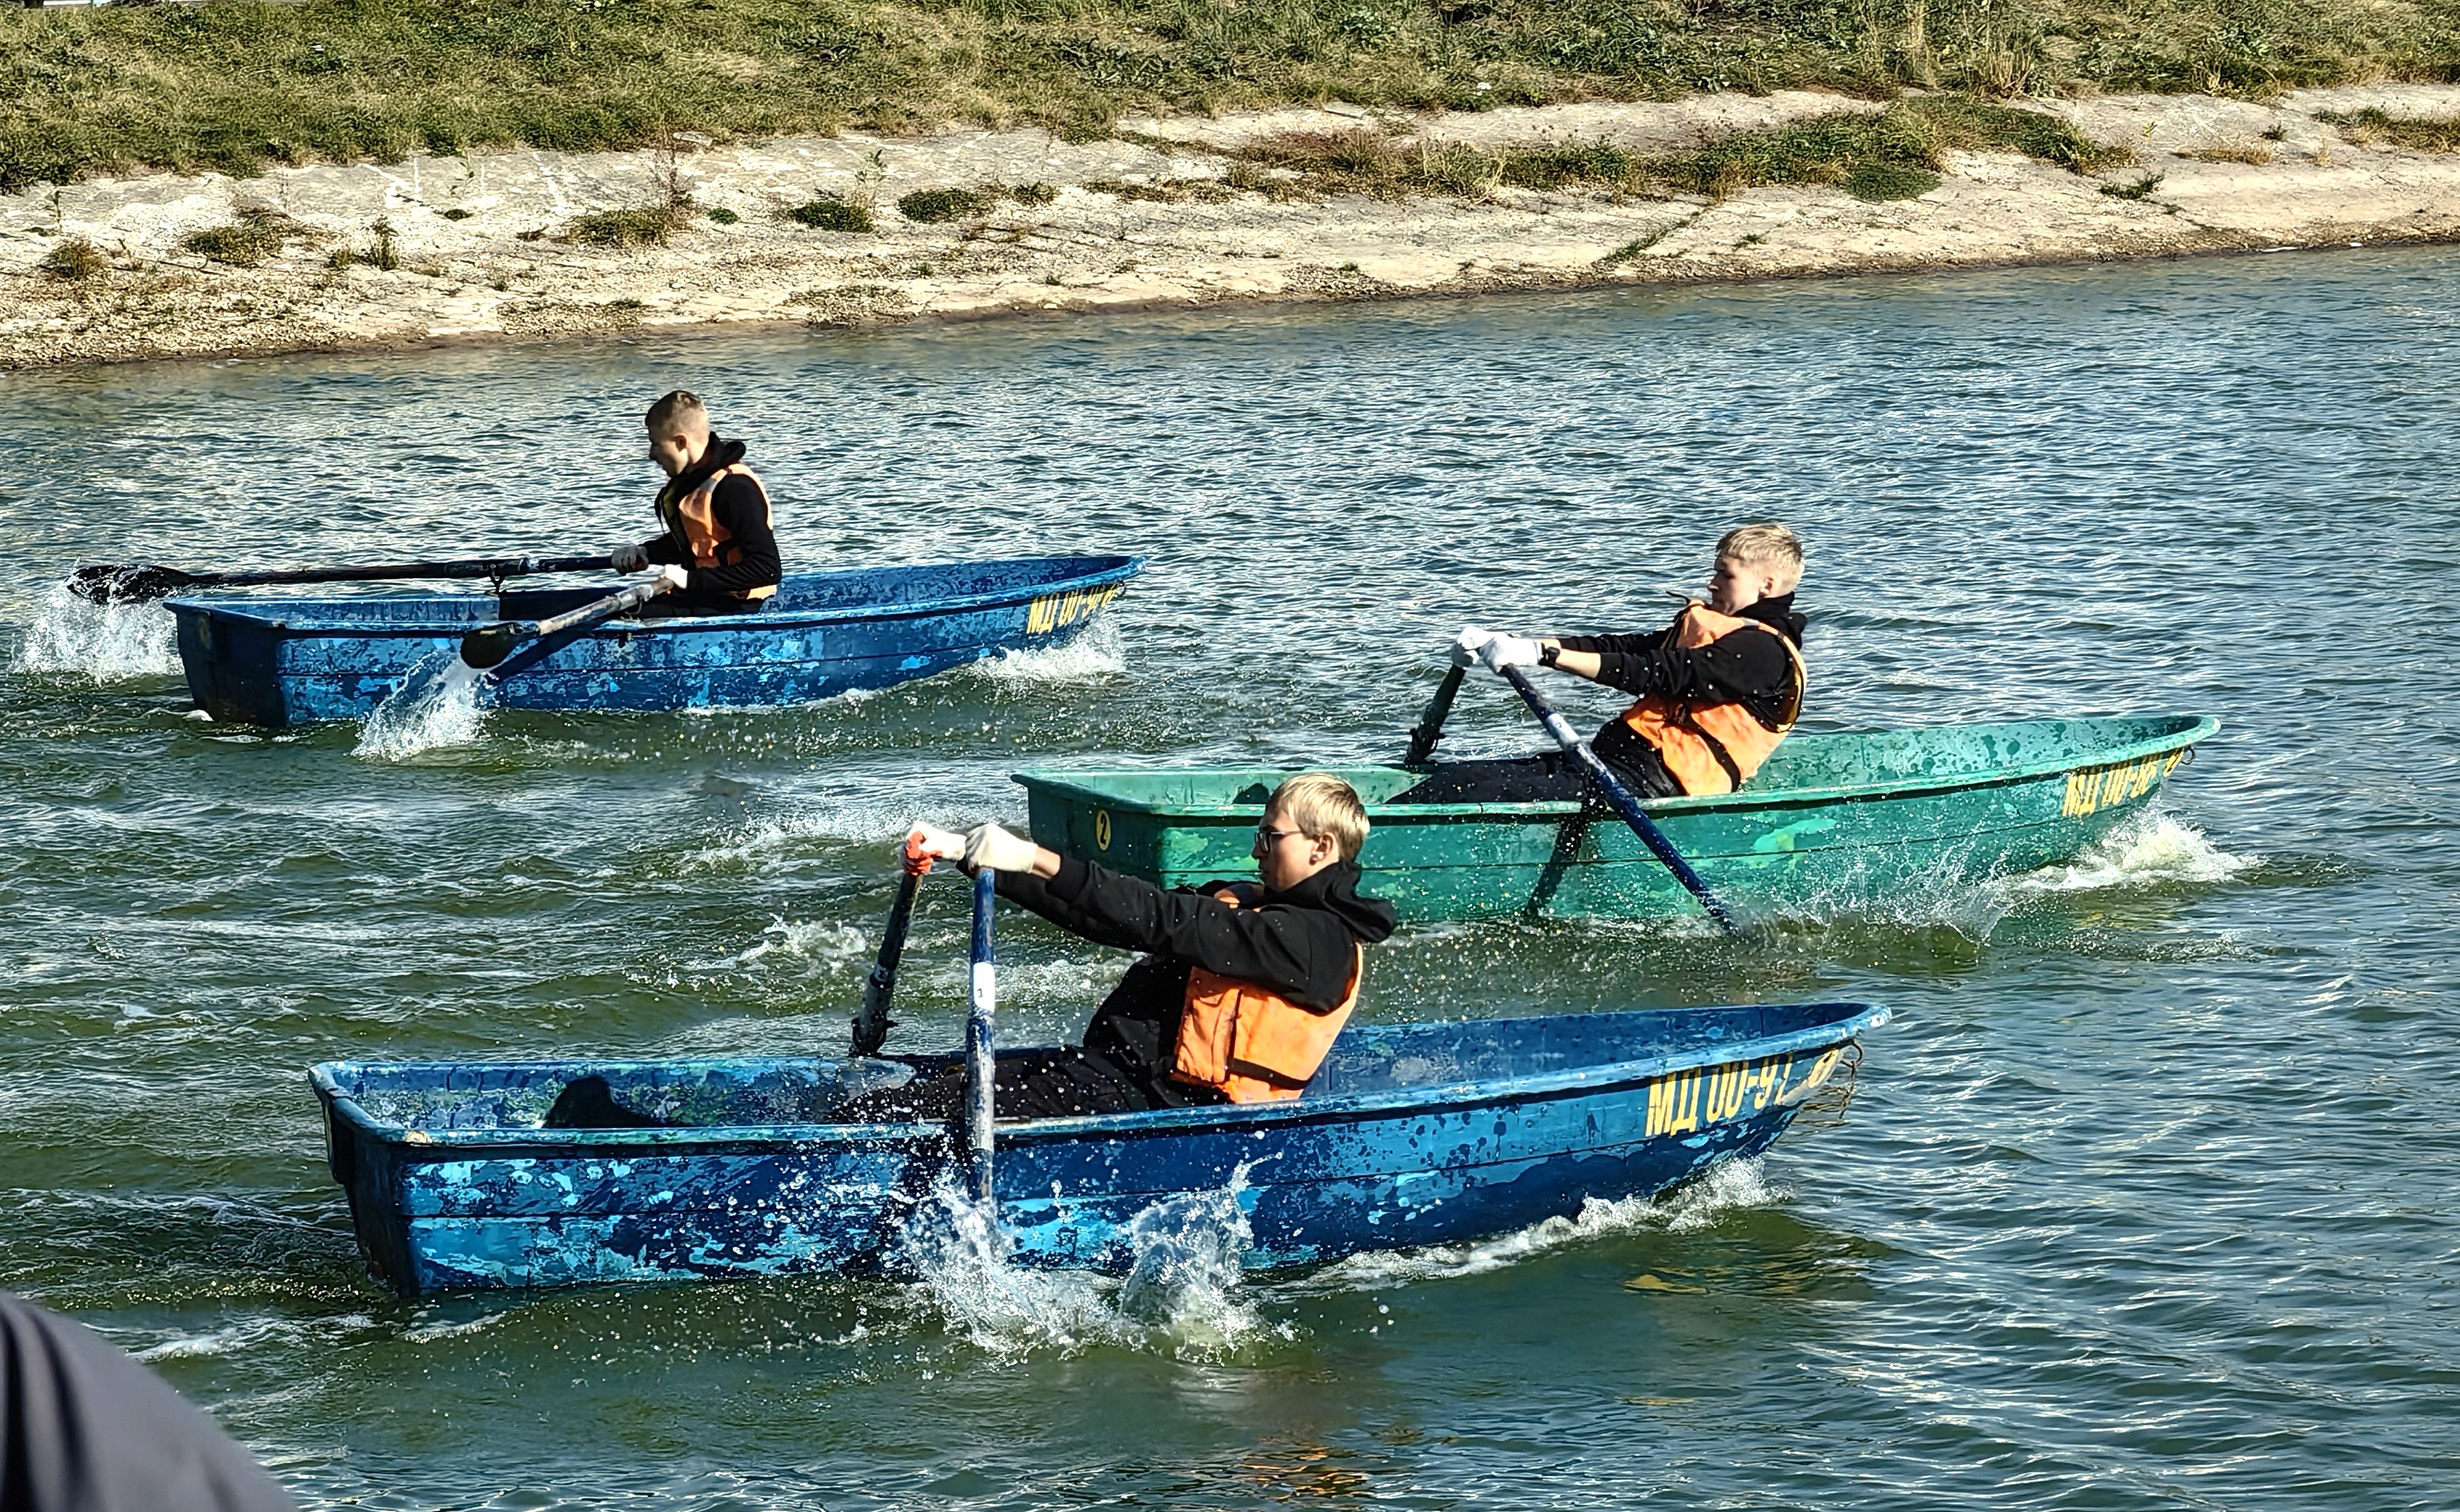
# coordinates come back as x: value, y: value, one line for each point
x: 481, y: 252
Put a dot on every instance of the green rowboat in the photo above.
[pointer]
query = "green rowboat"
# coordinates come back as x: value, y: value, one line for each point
x: 1833, y: 823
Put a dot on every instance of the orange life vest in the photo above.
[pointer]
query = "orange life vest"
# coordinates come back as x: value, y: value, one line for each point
x: 1713, y: 748
x: 1249, y: 1041
x: 693, y: 515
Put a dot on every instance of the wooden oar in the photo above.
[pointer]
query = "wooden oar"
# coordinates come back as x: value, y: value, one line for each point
x: 982, y: 1073
x: 871, y: 1023
x: 138, y: 582
x: 1430, y: 727
x: 1620, y: 798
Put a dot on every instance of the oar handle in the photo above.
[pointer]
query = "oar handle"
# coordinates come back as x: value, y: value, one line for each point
x: 981, y: 1065
x: 490, y: 644
x: 1618, y: 797
x: 1430, y: 727
x: 871, y: 1022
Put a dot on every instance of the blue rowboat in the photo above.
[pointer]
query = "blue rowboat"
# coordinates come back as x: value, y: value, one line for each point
x: 267, y: 659
x: 1411, y: 1134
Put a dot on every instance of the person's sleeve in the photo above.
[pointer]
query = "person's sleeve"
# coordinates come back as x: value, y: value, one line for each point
x: 743, y: 513
x: 1748, y: 667
x: 83, y: 1428
x: 1613, y: 644
x: 1300, y: 954
x: 663, y: 548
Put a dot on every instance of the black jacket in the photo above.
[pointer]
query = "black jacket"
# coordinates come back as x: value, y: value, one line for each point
x: 740, y: 509
x: 1301, y: 943
x: 1744, y: 667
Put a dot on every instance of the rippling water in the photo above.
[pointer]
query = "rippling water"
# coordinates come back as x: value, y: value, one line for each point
x: 2146, y: 1200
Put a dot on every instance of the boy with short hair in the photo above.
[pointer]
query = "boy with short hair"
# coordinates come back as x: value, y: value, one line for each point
x: 1717, y: 689
x: 1244, y: 987
x: 720, y: 544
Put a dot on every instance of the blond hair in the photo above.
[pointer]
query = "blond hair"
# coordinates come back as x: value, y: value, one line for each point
x: 678, y: 413
x: 1323, y: 805
x: 1770, y: 545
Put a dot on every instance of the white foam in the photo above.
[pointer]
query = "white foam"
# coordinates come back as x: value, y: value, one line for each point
x: 826, y: 942
x: 436, y: 703
x: 1097, y: 653
x: 1727, y: 1186
x: 279, y: 1331
x: 102, y: 642
x: 1182, y: 1294
x: 2149, y: 847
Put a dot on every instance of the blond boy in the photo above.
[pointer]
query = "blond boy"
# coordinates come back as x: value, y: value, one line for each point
x: 1715, y: 691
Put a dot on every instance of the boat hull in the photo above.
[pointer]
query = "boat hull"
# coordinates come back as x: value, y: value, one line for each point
x: 269, y: 661
x: 1833, y: 823
x: 452, y: 1186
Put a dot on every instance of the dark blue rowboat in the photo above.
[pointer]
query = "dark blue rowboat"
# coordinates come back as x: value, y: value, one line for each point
x: 273, y: 660
x: 1412, y: 1134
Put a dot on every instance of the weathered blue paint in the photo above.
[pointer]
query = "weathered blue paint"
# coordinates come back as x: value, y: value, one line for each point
x: 1412, y: 1134
x: 267, y: 659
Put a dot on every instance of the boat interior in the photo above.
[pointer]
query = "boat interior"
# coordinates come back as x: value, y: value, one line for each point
x: 768, y: 1092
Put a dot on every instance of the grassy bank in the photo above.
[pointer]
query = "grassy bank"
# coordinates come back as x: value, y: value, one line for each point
x: 233, y: 86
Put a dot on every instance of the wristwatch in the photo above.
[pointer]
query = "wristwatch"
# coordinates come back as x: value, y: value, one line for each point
x: 1546, y: 655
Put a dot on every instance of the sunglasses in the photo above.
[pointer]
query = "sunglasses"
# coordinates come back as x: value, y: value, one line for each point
x: 1266, y: 836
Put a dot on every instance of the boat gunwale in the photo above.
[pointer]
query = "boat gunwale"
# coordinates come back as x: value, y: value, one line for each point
x: 252, y: 611
x: 432, y: 1146
x: 2206, y: 726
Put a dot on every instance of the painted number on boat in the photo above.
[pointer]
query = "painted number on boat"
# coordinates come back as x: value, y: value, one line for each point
x: 1686, y: 1102
x: 1052, y: 611
x: 2093, y: 789
x: 1101, y: 829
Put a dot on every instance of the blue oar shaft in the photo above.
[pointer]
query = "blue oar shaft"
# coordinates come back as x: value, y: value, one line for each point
x: 1618, y: 797
x: 981, y: 1067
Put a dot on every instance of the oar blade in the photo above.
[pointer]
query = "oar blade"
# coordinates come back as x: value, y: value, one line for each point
x: 136, y: 582
x: 489, y: 645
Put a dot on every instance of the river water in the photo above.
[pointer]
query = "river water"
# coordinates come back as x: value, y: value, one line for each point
x: 2146, y: 1200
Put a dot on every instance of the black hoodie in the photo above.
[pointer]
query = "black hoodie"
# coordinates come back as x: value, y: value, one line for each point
x: 1745, y: 667
x: 740, y: 510
x: 1301, y: 943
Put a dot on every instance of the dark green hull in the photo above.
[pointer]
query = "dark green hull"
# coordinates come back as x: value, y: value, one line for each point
x: 1834, y: 822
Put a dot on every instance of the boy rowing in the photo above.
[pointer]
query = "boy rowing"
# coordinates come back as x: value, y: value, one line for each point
x: 720, y: 547
x: 1716, y: 690
x: 1243, y: 991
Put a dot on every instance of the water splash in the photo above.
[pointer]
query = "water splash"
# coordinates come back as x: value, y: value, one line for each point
x: 830, y: 943
x: 1097, y: 653
x: 1182, y: 1295
x: 102, y: 641
x: 437, y: 703
x: 1727, y: 1186
x: 2149, y: 847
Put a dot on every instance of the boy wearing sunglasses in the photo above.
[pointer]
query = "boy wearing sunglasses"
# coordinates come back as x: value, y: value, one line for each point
x: 1241, y: 991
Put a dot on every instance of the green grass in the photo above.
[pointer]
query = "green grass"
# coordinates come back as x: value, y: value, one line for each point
x: 2140, y: 187
x: 235, y: 85
x: 938, y: 206
x: 829, y: 212
x: 2416, y: 132
x: 630, y: 225
x: 258, y: 234
x: 1894, y: 154
x: 76, y: 259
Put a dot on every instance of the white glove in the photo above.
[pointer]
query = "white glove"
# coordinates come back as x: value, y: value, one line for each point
x: 673, y: 576
x: 940, y: 845
x: 990, y: 846
x: 628, y: 558
x: 1508, y: 651
x: 1468, y: 643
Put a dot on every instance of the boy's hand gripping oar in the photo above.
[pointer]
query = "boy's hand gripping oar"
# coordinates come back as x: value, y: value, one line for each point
x: 138, y: 582
x: 981, y: 1065
x: 871, y: 1023
x: 1618, y: 797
